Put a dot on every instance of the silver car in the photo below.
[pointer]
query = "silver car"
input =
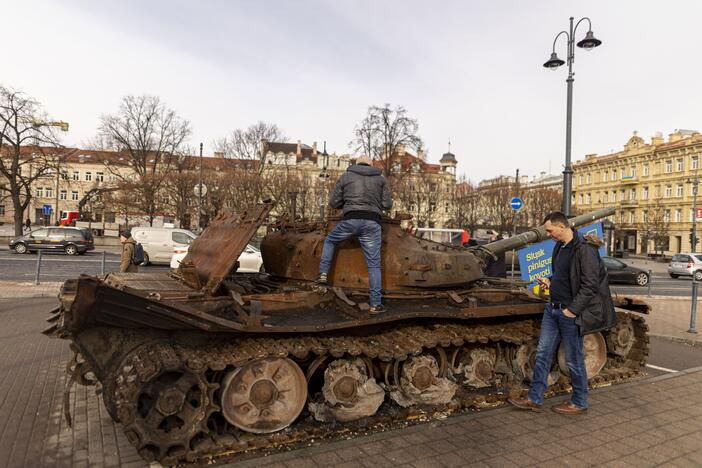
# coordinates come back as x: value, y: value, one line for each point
x: 686, y: 264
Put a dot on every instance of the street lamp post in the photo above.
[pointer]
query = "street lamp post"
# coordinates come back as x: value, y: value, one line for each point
x: 693, y: 240
x: 553, y: 63
x: 199, y: 195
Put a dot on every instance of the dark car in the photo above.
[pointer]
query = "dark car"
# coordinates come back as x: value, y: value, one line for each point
x: 70, y: 240
x: 618, y: 271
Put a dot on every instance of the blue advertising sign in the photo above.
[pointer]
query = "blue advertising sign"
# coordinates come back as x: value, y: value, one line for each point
x: 47, y: 209
x: 535, y: 259
x: 516, y: 203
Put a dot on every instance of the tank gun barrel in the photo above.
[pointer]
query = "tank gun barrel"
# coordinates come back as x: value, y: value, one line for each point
x: 531, y: 236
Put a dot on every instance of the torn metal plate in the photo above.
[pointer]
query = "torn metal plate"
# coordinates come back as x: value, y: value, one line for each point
x: 213, y: 255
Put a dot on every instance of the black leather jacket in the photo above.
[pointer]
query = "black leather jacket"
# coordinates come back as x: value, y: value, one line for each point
x: 361, y: 188
x: 592, y: 300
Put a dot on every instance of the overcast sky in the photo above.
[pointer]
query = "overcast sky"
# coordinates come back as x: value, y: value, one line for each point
x: 468, y: 71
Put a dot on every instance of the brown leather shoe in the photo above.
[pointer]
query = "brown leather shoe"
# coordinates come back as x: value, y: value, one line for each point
x: 524, y: 403
x: 568, y: 408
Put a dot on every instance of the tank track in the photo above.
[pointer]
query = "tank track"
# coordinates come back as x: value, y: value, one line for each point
x: 206, y: 435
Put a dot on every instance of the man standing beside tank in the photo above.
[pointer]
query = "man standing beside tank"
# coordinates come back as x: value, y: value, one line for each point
x: 363, y: 195
x: 581, y: 303
x: 126, y: 264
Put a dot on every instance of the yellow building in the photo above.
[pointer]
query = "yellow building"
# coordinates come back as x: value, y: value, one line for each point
x: 650, y: 186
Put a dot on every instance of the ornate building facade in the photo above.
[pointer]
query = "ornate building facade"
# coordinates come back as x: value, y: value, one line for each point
x: 649, y: 185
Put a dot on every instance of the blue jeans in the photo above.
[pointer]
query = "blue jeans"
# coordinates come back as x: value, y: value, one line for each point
x: 368, y: 233
x: 556, y: 327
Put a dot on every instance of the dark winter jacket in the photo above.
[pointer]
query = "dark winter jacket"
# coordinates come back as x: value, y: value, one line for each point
x: 361, y: 188
x: 592, y: 300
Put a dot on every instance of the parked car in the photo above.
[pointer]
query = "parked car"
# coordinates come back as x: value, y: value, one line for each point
x: 686, y: 264
x: 159, y: 243
x: 250, y: 260
x: 618, y: 271
x: 70, y: 240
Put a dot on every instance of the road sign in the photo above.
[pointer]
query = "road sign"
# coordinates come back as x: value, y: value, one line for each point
x: 47, y: 209
x: 698, y: 214
x: 516, y: 203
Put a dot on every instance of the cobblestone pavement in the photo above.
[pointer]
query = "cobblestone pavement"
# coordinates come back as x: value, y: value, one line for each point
x: 644, y: 423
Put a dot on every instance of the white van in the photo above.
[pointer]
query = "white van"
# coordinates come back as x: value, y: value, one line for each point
x: 159, y: 243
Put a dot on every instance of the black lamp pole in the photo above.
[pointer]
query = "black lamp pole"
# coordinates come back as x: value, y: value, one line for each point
x: 553, y: 63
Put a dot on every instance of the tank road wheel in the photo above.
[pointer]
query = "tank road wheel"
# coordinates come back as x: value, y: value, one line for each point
x: 477, y: 366
x: 265, y: 395
x: 620, y: 338
x: 524, y: 361
x: 162, y: 404
x: 420, y: 383
x: 595, y: 351
x: 348, y: 392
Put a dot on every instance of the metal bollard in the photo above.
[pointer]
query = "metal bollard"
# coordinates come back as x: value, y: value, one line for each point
x: 650, y: 276
x: 102, y: 265
x: 693, y: 309
x: 36, y: 276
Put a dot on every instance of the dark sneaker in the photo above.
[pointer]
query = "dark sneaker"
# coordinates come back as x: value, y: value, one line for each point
x: 321, y: 279
x: 379, y: 309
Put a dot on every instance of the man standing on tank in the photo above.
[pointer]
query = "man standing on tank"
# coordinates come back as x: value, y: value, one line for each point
x: 363, y: 195
x: 581, y: 303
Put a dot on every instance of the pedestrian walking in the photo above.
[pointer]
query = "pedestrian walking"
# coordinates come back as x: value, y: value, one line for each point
x: 363, y: 195
x: 580, y: 303
x: 126, y: 263
x: 28, y: 225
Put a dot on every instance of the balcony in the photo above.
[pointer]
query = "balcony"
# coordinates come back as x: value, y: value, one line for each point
x: 629, y: 203
x: 628, y: 180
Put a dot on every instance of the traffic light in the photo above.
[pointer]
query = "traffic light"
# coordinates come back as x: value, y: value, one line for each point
x: 693, y: 240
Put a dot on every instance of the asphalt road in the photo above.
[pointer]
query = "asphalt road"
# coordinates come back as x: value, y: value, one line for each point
x: 661, y: 285
x: 57, y: 266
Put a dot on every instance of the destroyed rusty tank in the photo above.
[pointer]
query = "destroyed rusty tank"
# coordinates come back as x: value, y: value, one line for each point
x: 205, y: 362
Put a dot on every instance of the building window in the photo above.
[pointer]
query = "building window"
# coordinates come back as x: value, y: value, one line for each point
x: 74, y: 196
x: 644, y: 195
x: 604, y: 197
x: 678, y: 215
x: 668, y: 191
x: 669, y: 166
x: 633, y: 171
x: 99, y: 177
x: 76, y: 175
x: 614, y: 174
x: 587, y: 179
x: 632, y: 194
x: 679, y: 165
x: 666, y: 216
x: 679, y: 190
x: 587, y: 199
x: 580, y: 199
x: 644, y: 217
x: 580, y: 180
x: 632, y: 217
x: 614, y: 195
x: 621, y: 173
x: 39, y: 193
x: 48, y: 192
x: 621, y: 217
x: 62, y: 195
x: 64, y: 174
x: 694, y: 162
x: 604, y: 176
x: 88, y: 176
x: 645, y: 169
x: 622, y: 195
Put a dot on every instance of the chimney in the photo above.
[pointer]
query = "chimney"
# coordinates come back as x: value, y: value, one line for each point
x: 219, y: 154
x: 314, y: 148
x: 299, y: 149
x: 675, y: 136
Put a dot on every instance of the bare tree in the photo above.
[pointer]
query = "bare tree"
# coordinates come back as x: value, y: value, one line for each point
x: 180, y: 186
x: 26, y: 138
x: 656, y: 228
x: 382, y: 132
x: 464, y: 205
x: 244, y: 144
x: 539, y: 202
x: 419, y: 193
x: 150, y: 135
x: 494, y: 205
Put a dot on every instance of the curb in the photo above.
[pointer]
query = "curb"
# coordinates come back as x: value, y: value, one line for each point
x: 694, y: 342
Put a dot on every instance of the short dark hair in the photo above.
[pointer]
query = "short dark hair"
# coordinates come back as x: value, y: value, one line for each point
x: 126, y: 233
x: 557, y: 217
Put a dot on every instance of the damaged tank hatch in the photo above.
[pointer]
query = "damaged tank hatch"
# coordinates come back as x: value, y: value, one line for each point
x: 205, y: 362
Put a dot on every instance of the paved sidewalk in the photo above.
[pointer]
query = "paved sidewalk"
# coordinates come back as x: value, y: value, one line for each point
x: 670, y: 318
x: 644, y: 423
x: 16, y: 290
